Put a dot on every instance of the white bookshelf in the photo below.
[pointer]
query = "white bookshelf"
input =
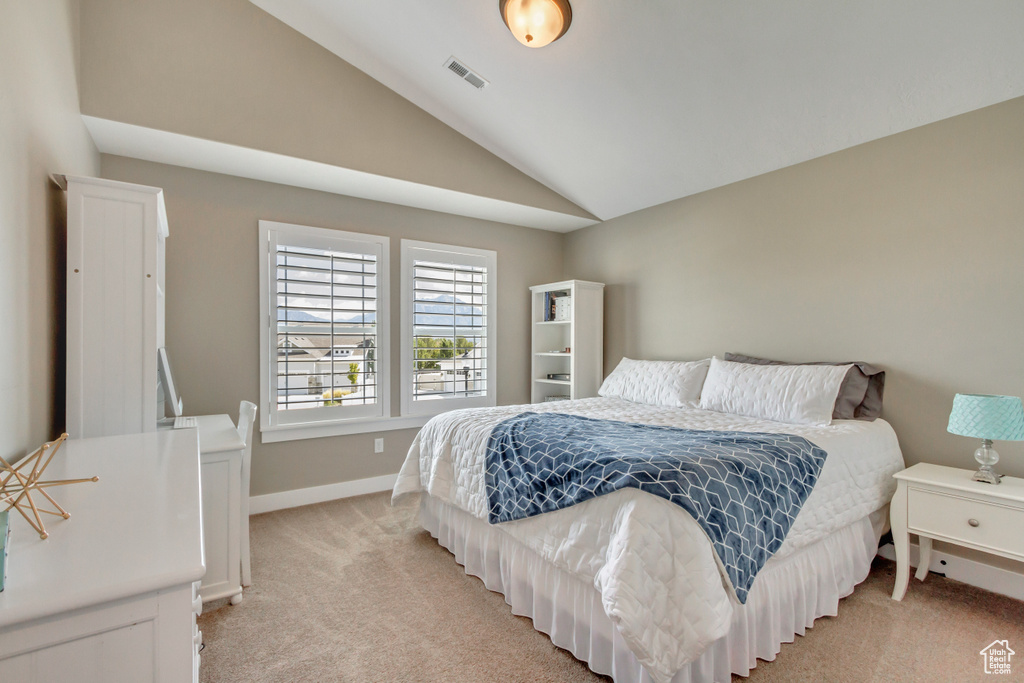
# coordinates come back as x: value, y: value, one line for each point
x: 572, y: 345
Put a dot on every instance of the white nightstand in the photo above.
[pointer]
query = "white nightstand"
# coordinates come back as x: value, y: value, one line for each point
x: 943, y: 503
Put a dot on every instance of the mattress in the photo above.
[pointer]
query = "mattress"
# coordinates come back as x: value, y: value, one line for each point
x: 658, y: 577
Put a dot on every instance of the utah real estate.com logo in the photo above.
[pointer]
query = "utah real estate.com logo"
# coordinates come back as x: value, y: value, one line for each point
x: 997, y: 657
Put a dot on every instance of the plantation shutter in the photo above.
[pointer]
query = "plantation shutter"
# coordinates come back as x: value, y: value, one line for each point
x: 449, y: 348
x: 326, y: 301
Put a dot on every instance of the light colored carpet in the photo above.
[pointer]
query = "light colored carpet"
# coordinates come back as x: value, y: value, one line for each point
x: 355, y: 590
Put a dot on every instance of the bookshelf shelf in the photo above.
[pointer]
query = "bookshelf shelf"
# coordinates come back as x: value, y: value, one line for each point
x: 579, y: 305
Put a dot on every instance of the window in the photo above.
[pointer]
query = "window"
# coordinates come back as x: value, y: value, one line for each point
x: 324, y: 338
x: 448, y: 327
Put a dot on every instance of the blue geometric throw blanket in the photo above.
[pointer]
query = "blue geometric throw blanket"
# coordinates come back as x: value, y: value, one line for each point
x: 743, y: 488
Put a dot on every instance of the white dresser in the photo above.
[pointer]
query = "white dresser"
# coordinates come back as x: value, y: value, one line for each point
x: 111, y: 596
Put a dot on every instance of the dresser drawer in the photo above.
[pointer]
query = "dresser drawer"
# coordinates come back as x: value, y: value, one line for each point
x: 982, y: 524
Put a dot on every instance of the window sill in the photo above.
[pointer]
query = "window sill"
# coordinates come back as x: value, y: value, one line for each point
x: 313, y: 430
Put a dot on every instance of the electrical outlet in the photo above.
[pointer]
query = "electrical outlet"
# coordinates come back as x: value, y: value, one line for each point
x: 378, y: 445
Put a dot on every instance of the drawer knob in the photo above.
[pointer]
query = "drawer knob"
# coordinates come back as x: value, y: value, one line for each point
x: 974, y: 522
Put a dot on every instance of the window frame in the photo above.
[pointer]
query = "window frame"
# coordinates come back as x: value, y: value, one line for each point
x: 411, y: 408
x: 357, y: 419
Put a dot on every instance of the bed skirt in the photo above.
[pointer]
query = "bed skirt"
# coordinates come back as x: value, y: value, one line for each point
x: 784, y: 601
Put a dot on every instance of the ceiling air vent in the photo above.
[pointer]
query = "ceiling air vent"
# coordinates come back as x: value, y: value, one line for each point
x: 465, y: 73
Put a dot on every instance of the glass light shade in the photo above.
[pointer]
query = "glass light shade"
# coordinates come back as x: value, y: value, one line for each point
x: 536, y: 23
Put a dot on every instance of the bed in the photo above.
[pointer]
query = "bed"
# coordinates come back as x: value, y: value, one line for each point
x: 629, y: 582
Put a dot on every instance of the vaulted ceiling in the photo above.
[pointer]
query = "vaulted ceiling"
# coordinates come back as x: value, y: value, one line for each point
x: 645, y: 102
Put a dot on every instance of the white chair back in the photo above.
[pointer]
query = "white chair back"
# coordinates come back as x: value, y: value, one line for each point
x: 246, y: 418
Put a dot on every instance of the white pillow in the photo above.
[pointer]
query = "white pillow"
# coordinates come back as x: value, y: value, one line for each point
x: 797, y: 394
x: 657, y: 382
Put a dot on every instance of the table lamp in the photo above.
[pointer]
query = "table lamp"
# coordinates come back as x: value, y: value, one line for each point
x: 990, y: 418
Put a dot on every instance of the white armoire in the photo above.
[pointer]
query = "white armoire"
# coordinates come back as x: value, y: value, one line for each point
x: 115, y: 305
x: 115, y: 311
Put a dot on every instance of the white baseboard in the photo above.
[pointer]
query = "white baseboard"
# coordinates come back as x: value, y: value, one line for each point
x: 971, y: 572
x: 319, y: 494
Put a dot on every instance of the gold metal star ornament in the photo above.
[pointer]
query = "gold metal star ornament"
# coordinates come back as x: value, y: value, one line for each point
x: 17, y: 483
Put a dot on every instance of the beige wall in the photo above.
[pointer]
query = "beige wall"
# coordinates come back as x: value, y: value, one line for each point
x: 907, y: 252
x: 213, y: 301
x: 230, y: 72
x: 40, y: 133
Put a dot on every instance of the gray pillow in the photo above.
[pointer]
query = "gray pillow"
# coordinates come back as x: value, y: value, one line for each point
x: 860, y: 395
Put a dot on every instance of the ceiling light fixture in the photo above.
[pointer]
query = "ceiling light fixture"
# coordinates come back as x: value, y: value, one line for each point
x: 536, y: 23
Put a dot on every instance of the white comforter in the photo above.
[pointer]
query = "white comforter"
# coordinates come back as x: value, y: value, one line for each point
x: 653, y: 565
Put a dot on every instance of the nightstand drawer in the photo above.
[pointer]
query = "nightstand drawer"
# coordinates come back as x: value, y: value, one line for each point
x: 983, y: 524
